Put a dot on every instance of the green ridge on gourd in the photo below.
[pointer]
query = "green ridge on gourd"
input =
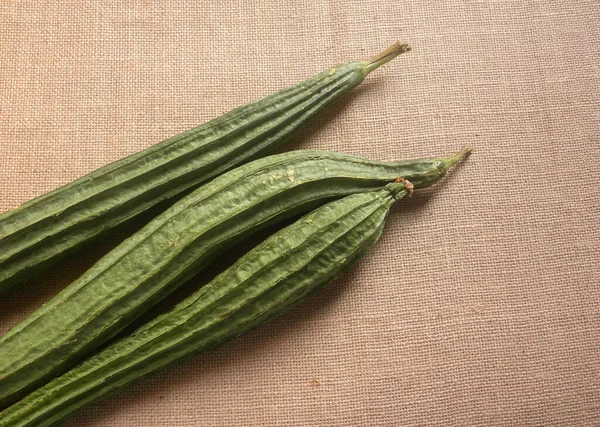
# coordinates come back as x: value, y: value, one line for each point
x: 178, y: 244
x: 44, y: 230
x: 274, y: 276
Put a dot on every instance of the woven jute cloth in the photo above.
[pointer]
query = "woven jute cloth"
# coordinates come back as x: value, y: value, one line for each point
x: 480, y: 305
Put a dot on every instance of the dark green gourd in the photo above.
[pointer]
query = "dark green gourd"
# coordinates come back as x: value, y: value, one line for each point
x: 46, y: 229
x: 268, y: 280
x: 179, y: 243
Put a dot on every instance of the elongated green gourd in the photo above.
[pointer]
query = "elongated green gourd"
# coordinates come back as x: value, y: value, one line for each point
x: 179, y: 243
x: 44, y: 230
x: 268, y: 280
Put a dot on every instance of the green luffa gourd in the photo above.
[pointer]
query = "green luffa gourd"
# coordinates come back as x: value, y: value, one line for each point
x: 47, y: 228
x: 274, y: 276
x: 179, y: 243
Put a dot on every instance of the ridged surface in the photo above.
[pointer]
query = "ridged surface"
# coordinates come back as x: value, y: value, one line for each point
x: 265, y: 282
x: 177, y: 245
x: 42, y: 231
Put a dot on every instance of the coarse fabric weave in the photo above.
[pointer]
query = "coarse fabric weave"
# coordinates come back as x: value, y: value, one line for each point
x: 481, y: 303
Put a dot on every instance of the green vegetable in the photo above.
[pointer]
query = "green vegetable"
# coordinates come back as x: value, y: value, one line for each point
x: 268, y: 280
x: 177, y: 245
x: 46, y: 229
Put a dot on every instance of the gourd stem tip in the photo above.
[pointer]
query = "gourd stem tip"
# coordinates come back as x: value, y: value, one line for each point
x: 400, y: 188
x: 463, y: 153
x: 384, y: 57
x: 408, y: 186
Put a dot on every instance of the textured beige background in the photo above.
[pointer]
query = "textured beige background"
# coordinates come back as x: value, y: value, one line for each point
x: 480, y: 305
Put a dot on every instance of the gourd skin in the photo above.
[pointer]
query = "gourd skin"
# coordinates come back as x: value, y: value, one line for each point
x: 268, y: 280
x: 177, y: 245
x: 44, y: 230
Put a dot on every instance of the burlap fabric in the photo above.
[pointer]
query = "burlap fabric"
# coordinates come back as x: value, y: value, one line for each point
x: 479, y: 306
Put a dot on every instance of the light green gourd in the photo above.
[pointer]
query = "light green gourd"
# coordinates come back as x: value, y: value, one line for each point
x: 276, y: 275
